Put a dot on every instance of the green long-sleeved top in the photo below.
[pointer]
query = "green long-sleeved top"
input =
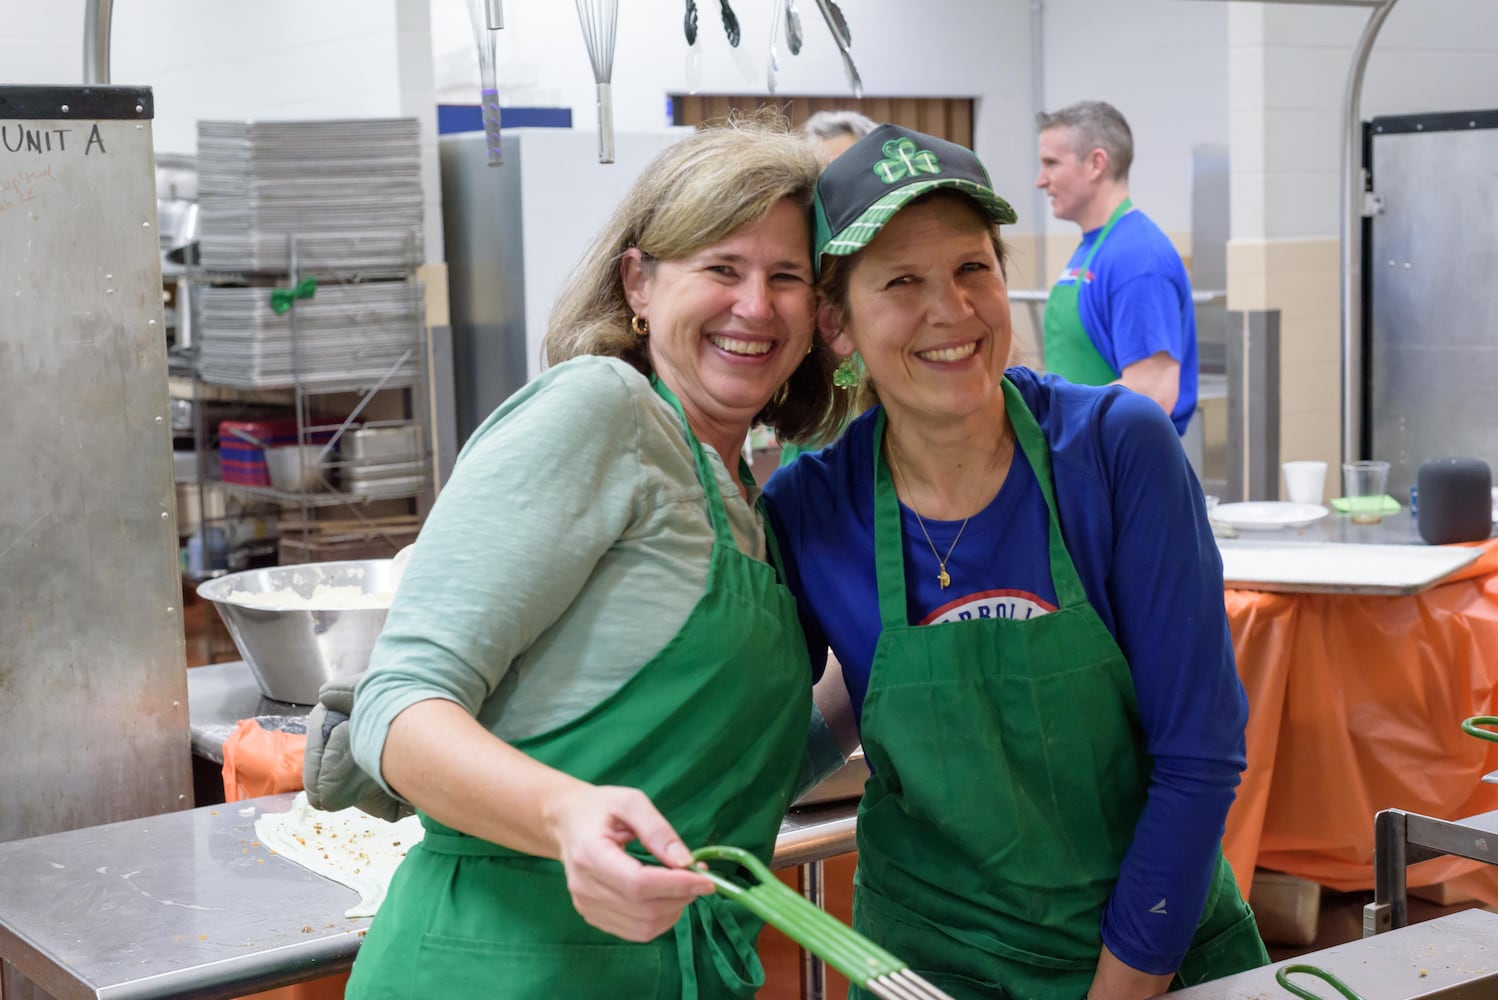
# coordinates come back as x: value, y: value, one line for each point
x: 569, y: 546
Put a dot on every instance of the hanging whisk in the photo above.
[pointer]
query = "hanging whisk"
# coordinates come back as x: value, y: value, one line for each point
x: 600, y: 20
x: 488, y: 17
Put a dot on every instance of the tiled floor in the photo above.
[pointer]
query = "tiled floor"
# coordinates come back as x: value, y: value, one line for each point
x: 1340, y: 921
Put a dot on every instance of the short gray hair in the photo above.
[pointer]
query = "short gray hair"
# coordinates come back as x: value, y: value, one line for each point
x: 831, y: 124
x: 1094, y: 125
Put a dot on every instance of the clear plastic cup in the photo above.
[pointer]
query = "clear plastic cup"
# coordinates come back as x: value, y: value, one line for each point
x: 1364, y: 485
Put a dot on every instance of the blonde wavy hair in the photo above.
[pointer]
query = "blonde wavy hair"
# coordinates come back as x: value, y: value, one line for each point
x: 694, y: 194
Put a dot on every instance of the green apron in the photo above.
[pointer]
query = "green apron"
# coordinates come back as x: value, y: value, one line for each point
x: 712, y: 729
x: 1069, y: 351
x: 1008, y: 775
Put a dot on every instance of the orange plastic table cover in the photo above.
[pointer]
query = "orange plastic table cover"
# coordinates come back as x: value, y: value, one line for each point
x: 1355, y: 705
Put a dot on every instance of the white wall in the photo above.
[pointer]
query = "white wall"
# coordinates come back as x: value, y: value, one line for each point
x: 1288, y: 75
x: 1267, y: 77
x: 1160, y: 62
x: 939, y: 48
x: 205, y: 59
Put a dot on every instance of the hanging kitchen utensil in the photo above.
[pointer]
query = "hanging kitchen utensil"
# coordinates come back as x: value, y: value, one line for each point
x: 836, y: 21
x: 600, y: 19
x: 488, y: 17
x: 840, y: 946
x: 772, y: 64
x: 730, y: 23
x: 838, y: 25
x: 691, y: 22
x: 793, y: 34
x: 694, y: 67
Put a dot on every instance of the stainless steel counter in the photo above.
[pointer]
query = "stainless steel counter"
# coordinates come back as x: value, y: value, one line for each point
x: 178, y: 905
x: 189, y: 904
x: 1454, y: 956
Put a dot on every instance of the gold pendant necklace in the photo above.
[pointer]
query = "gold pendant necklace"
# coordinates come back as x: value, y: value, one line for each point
x: 942, y: 577
x: 941, y: 563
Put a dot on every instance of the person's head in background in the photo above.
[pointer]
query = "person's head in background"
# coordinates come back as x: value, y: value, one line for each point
x: 1086, y: 150
x: 832, y: 132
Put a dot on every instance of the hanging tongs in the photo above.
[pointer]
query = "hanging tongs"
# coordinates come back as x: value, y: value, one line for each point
x: 772, y: 66
x: 864, y: 963
x: 838, y: 25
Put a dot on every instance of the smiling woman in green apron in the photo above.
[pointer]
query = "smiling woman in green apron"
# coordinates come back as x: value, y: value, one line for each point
x: 1017, y: 577
x: 591, y: 665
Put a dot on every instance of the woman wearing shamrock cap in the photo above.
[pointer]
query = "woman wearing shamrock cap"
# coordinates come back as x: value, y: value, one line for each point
x: 1017, y: 577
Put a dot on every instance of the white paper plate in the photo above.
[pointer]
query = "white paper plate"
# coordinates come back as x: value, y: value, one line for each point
x: 1267, y: 515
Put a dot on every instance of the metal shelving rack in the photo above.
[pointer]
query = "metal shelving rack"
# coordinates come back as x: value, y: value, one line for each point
x: 407, y: 374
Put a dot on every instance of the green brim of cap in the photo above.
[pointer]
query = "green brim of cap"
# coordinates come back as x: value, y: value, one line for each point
x: 858, y: 233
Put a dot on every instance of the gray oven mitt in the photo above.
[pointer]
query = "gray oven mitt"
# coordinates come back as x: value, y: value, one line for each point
x: 332, y: 780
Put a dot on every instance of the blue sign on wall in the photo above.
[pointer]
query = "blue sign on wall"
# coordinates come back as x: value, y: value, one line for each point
x: 467, y: 118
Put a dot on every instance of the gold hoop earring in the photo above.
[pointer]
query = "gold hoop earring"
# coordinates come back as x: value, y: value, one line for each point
x: 641, y: 327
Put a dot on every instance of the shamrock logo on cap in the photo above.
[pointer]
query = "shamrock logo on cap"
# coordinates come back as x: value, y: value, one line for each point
x: 905, y: 159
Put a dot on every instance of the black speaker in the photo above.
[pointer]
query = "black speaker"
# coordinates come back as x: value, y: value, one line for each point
x: 1456, y: 500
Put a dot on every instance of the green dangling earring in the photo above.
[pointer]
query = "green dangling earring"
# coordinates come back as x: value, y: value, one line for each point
x: 847, y: 373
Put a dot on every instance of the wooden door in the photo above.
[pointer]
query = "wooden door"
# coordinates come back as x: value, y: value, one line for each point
x: 950, y: 118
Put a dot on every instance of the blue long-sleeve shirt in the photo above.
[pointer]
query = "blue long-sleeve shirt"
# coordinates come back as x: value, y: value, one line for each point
x: 1135, y: 525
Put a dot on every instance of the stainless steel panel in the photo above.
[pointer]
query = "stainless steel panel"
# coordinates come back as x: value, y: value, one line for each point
x: 514, y: 235
x: 481, y: 223
x: 1253, y: 406
x: 1434, y: 355
x: 93, y: 692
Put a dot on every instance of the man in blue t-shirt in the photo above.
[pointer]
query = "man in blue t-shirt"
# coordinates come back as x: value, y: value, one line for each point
x: 1121, y: 310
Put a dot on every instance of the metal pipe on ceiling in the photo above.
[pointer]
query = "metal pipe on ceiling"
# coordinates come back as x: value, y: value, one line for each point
x: 1354, y: 183
x: 98, y: 16
x: 1039, y: 204
x: 1351, y: 225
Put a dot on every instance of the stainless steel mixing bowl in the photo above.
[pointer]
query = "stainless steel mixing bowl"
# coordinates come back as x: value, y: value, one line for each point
x: 292, y: 650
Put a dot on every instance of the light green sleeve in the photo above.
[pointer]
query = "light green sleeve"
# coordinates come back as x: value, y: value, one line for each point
x: 540, y: 493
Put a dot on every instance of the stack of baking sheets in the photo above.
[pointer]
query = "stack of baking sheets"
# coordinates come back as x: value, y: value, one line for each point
x: 382, y: 460
x: 352, y: 335
x: 348, y: 192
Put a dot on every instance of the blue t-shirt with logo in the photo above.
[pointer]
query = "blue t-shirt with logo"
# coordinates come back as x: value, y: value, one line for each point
x: 1138, y: 302
x: 1135, y: 525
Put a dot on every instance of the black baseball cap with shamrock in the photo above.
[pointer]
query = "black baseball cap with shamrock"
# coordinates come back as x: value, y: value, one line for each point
x: 879, y: 174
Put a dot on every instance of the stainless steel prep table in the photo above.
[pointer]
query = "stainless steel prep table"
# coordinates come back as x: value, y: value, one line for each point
x: 188, y: 904
x: 1335, y: 556
x: 1452, y: 957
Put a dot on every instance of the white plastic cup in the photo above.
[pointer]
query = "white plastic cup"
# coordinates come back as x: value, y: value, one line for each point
x: 1305, y: 482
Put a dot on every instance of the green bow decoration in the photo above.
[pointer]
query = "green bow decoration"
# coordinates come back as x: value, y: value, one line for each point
x: 905, y: 158
x: 281, y: 299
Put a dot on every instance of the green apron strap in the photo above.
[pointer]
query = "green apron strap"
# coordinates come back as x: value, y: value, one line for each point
x: 889, y: 546
x: 889, y: 550
x: 1069, y: 590
x: 1118, y: 213
x: 1069, y: 349
x: 717, y: 513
